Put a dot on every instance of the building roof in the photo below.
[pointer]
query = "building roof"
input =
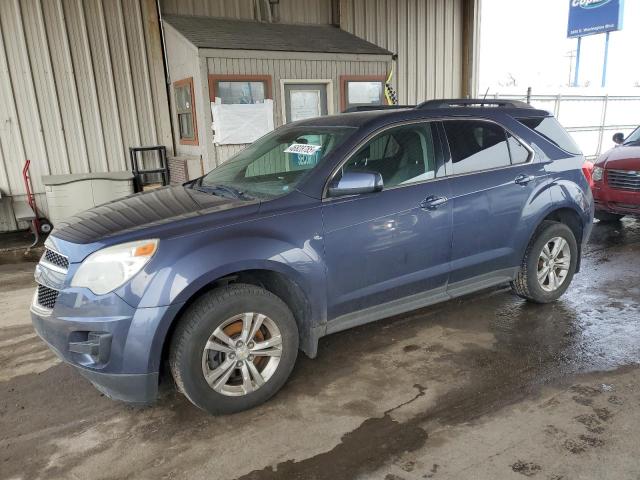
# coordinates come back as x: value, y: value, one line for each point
x: 224, y: 33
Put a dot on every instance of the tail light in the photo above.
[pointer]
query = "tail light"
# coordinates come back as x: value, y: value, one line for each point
x: 587, y: 170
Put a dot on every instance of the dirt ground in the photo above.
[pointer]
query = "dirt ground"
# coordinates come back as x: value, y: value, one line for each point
x: 486, y: 387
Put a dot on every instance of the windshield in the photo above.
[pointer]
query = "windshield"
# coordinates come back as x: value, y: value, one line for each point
x: 633, y: 138
x: 274, y: 164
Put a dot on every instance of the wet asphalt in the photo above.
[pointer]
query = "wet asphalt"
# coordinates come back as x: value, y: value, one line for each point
x: 487, y: 386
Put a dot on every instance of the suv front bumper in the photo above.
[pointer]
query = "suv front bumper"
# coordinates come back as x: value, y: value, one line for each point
x: 622, y: 202
x: 116, y: 347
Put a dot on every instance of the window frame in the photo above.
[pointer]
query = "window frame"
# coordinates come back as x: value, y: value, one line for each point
x: 345, y: 79
x: 447, y: 149
x: 439, y: 147
x: 186, y: 82
x: 214, y: 79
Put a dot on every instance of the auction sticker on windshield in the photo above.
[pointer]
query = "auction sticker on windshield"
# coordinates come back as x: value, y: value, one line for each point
x: 302, y: 148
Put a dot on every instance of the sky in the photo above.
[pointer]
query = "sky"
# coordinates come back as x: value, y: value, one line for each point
x: 525, y: 42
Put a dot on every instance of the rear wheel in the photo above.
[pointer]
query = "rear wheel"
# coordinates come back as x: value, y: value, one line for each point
x: 234, y: 348
x: 548, y: 265
x: 607, y: 217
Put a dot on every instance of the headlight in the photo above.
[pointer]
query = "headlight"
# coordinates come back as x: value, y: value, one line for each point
x: 597, y: 174
x: 107, y: 269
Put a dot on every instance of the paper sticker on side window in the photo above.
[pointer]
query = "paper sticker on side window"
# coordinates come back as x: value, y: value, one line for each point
x: 302, y: 148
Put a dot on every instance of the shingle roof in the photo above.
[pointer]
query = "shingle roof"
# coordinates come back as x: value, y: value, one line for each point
x: 224, y: 33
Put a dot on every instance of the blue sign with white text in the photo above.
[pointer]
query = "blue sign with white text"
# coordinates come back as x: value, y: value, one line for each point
x: 588, y: 17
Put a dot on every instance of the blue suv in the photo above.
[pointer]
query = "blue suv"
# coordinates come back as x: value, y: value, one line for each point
x: 319, y: 226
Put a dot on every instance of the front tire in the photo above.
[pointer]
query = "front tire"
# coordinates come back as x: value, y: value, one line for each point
x: 233, y: 349
x: 548, y: 265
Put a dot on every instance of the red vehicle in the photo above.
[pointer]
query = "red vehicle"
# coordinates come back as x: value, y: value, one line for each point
x: 615, y: 179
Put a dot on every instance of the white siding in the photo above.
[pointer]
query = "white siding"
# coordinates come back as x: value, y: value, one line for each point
x: 80, y: 82
x: 427, y: 36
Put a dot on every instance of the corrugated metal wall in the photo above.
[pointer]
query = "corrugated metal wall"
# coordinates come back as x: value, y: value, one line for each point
x: 80, y: 82
x: 291, y: 11
x: 290, y: 68
x: 427, y: 35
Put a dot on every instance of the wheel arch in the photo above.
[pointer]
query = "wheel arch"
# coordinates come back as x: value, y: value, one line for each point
x: 570, y: 217
x: 273, y: 280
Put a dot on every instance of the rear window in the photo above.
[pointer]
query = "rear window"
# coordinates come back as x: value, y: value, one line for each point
x: 551, y: 129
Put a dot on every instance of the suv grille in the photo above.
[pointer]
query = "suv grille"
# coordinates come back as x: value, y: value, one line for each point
x: 624, y: 179
x: 56, y: 259
x: 47, y: 297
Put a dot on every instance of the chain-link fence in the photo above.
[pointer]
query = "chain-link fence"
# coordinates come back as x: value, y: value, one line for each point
x: 591, y: 120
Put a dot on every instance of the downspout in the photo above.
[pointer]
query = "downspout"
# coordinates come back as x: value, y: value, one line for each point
x: 167, y: 79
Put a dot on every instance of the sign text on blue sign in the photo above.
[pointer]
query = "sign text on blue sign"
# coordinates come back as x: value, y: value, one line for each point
x: 589, y: 17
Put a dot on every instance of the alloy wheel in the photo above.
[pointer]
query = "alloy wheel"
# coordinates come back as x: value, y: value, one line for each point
x: 553, y: 264
x: 242, y: 354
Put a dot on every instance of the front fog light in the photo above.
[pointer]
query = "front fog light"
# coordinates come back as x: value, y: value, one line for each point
x: 107, y: 269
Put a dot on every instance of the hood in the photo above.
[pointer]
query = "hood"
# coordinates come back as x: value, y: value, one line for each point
x: 141, y: 212
x: 621, y: 158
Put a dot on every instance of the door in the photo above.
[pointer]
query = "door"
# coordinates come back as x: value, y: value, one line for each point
x: 304, y: 100
x: 492, y: 180
x: 388, y: 252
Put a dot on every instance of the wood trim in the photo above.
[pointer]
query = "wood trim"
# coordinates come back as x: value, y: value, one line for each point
x: 181, y: 83
x: 357, y: 78
x: 328, y: 82
x: 238, y: 78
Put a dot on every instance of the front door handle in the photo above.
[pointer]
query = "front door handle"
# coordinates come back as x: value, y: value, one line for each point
x: 432, y: 202
x: 524, y: 179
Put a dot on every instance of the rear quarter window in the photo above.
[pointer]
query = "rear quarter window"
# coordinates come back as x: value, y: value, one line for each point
x: 551, y: 129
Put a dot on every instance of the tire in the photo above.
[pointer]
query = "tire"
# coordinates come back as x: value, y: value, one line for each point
x: 45, y: 226
x: 190, y: 362
x: 606, y: 217
x: 527, y: 285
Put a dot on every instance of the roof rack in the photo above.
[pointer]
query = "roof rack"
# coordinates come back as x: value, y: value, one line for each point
x: 472, y: 102
x: 368, y: 108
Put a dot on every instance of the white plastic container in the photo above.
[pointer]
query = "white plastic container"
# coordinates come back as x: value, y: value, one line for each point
x: 71, y: 194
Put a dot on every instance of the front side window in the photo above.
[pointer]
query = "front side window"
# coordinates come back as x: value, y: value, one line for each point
x: 634, y: 137
x: 402, y: 155
x: 239, y: 90
x: 476, y: 145
x: 362, y: 91
x: 185, y: 111
x: 275, y: 164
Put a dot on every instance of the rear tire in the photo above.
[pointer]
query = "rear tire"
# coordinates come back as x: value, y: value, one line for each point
x: 543, y: 277
x: 216, y: 359
x: 606, y: 217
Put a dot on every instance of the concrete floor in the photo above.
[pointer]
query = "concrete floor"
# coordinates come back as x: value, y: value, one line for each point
x: 486, y: 387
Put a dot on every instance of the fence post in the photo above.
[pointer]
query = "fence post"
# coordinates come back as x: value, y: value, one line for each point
x: 529, y: 95
x: 556, y: 108
x: 603, y: 119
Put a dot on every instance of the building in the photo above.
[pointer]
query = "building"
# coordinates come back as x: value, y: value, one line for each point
x: 81, y: 81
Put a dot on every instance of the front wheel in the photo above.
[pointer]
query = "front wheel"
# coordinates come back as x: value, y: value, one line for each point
x: 233, y: 349
x: 548, y: 265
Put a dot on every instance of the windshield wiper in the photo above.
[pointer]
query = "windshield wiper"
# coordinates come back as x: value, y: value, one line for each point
x: 224, y: 191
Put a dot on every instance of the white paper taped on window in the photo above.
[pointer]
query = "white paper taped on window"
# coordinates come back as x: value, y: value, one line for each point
x: 236, y: 124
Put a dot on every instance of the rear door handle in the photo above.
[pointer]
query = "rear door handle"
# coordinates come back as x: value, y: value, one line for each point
x: 432, y: 202
x: 524, y: 179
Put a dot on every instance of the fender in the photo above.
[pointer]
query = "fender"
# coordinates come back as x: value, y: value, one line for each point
x: 190, y: 262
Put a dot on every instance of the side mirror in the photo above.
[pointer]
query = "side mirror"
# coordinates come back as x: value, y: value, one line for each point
x: 353, y: 183
x: 618, y: 138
